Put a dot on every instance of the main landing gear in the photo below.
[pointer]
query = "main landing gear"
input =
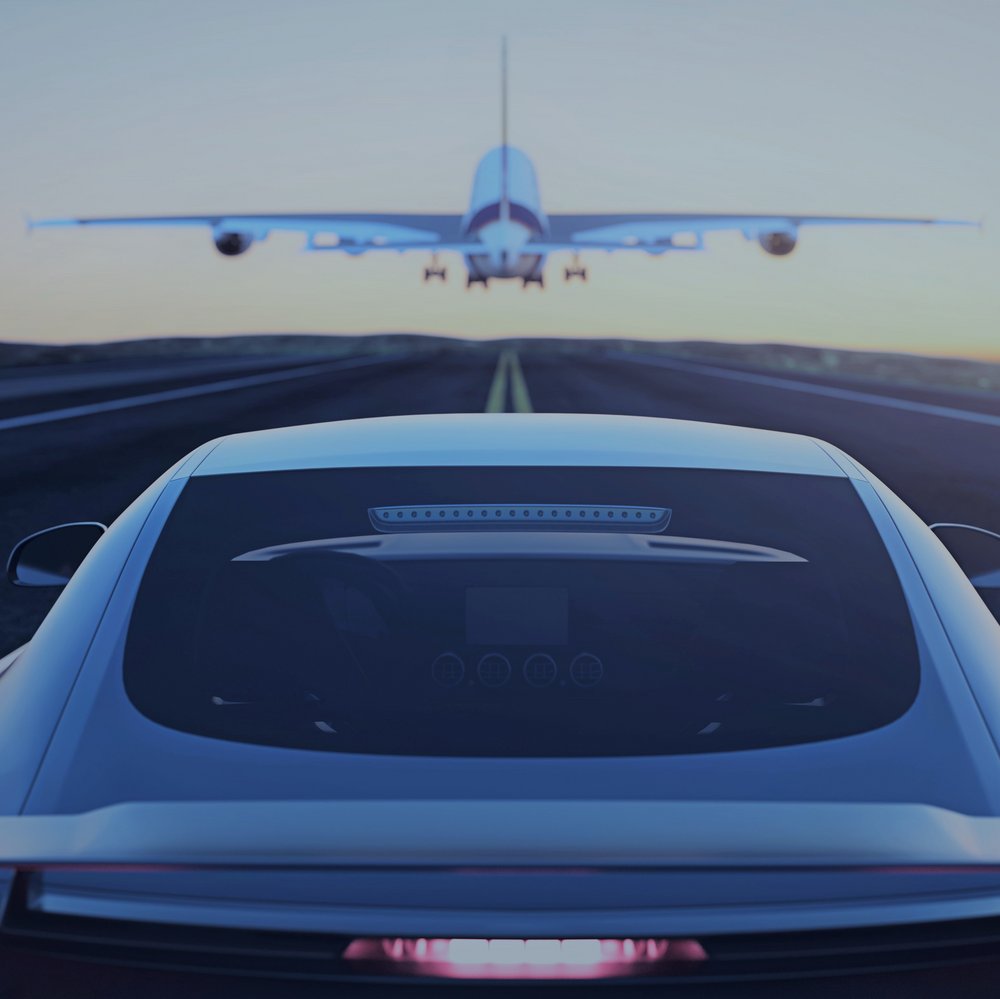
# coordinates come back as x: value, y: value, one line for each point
x: 435, y: 271
x: 575, y: 270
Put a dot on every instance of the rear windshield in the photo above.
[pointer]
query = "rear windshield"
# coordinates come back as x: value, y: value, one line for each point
x: 520, y: 612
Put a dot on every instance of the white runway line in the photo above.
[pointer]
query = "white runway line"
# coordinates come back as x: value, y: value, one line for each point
x: 52, y: 380
x: 189, y: 392
x: 850, y: 395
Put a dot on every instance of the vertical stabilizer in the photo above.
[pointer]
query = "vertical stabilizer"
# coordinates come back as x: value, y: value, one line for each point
x: 504, y: 158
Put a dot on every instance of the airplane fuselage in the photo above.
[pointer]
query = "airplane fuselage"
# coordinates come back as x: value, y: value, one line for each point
x: 504, y: 225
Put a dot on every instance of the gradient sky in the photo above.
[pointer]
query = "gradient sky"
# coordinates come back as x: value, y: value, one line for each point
x: 853, y: 106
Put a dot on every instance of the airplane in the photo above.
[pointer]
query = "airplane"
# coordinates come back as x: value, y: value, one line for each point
x: 505, y: 234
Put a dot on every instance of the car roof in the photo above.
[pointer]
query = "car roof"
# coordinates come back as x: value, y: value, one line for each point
x: 513, y: 439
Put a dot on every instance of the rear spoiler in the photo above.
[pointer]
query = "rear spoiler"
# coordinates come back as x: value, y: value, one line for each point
x: 289, y: 835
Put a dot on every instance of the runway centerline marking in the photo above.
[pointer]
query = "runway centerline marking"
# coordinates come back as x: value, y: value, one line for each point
x: 496, y: 398
x: 519, y: 397
x: 508, y: 372
x: 849, y: 395
x: 188, y: 392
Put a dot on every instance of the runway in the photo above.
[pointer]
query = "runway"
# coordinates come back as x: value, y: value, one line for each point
x: 115, y: 429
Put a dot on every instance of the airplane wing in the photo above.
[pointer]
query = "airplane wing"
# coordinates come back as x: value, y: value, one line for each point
x: 358, y: 232
x: 350, y: 232
x: 657, y: 233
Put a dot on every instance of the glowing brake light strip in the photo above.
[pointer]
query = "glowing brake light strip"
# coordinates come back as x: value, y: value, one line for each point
x: 458, y: 957
x: 519, y: 516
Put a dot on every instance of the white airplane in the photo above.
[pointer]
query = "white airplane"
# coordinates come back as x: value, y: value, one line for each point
x: 505, y: 233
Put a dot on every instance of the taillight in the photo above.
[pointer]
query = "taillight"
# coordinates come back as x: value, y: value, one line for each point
x: 457, y: 957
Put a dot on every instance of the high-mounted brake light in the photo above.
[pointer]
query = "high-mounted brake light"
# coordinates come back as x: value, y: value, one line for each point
x: 520, y: 516
x: 458, y: 957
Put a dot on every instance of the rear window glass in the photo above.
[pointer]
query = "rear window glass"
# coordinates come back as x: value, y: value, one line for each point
x: 520, y: 612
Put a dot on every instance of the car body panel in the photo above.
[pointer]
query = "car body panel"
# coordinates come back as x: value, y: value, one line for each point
x: 35, y: 689
x: 525, y: 903
x: 971, y: 629
x: 516, y: 439
x: 609, y: 867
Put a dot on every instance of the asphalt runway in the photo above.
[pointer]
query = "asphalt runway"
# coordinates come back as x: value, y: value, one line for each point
x: 83, y: 448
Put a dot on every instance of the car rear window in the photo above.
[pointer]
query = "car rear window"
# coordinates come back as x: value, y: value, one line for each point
x: 556, y: 612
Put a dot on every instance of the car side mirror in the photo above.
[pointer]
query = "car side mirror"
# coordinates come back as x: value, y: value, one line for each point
x: 50, y: 557
x: 977, y: 551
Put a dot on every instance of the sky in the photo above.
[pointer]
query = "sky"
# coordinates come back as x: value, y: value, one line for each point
x: 198, y: 106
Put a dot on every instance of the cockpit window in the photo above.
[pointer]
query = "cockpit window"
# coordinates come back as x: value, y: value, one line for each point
x: 709, y: 611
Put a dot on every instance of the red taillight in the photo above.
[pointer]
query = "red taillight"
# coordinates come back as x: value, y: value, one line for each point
x: 457, y: 957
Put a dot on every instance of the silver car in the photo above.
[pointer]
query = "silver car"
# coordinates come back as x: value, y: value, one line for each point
x: 509, y: 697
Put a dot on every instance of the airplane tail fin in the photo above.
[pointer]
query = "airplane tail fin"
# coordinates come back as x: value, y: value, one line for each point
x: 504, y: 164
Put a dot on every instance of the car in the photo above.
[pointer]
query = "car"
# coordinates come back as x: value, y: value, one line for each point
x: 498, y: 698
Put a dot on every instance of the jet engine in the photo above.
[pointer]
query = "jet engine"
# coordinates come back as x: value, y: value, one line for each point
x: 778, y: 244
x: 232, y: 244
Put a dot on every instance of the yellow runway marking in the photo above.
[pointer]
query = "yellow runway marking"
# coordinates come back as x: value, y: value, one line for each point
x: 518, y: 386
x: 496, y: 400
x: 508, y: 371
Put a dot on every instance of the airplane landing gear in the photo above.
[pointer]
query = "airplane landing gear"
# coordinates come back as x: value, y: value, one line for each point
x: 575, y: 270
x: 435, y: 271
